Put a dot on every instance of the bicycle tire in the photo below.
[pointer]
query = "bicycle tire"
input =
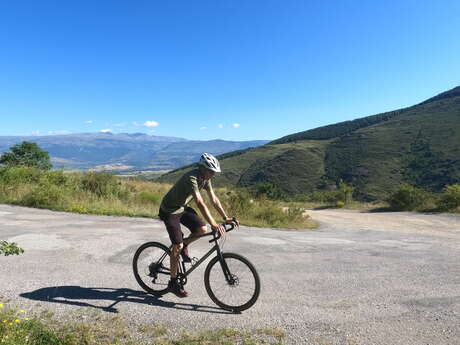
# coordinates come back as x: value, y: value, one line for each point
x: 144, y: 270
x: 213, y: 273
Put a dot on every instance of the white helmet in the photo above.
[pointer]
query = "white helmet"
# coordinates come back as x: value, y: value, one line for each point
x: 209, y: 162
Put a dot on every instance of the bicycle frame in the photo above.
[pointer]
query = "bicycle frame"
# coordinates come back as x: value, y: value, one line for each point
x: 185, y: 273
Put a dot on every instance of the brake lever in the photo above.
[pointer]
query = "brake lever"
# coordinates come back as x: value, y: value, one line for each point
x: 232, y: 226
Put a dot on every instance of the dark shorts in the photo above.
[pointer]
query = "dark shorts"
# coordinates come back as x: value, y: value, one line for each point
x: 189, y: 218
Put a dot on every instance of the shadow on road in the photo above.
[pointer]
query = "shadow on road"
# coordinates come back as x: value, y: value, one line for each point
x: 78, y: 296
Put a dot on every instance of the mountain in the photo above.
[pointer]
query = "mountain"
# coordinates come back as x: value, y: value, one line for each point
x: 418, y: 144
x: 125, y: 151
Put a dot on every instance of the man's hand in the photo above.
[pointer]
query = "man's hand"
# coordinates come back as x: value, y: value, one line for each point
x: 232, y: 221
x: 220, y: 228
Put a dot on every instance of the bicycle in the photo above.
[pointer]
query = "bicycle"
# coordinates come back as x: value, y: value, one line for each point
x: 235, y: 287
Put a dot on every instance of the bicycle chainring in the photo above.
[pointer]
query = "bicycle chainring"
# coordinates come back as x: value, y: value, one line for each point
x: 182, y: 279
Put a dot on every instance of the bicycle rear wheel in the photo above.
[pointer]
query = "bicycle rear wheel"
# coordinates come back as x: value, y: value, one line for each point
x: 238, y: 293
x: 151, y: 267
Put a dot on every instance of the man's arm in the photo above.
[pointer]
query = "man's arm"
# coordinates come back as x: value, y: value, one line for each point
x: 218, y: 206
x: 205, y: 211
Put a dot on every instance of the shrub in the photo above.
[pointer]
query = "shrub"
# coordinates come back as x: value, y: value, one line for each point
x: 102, y: 184
x: 339, y: 204
x: 450, y: 199
x: 149, y: 197
x: 345, y: 193
x: 237, y: 202
x: 269, y: 190
x: 44, y: 195
x: 295, y: 214
x: 268, y: 213
x: 14, y: 176
x: 274, y: 216
x: 55, y: 177
x: 408, y: 198
x: 10, y: 248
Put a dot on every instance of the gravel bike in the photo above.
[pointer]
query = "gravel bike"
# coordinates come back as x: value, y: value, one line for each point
x: 230, y: 279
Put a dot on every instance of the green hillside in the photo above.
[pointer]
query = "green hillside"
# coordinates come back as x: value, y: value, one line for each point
x: 418, y: 144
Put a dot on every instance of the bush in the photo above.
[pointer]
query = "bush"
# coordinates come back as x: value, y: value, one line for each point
x: 450, y: 199
x: 10, y: 248
x: 408, y: 198
x: 102, y: 184
x: 14, y: 176
x: 237, y: 202
x: 270, y: 191
x: 268, y: 213
x: 44, y: 195
x: 149, y: 197
x: 345, y: 193
x: 55, y: 177
x: 340, y: 204
x: 272, y: 215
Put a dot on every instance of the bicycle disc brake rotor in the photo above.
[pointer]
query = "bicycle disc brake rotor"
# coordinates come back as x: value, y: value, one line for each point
x: 234, y: 281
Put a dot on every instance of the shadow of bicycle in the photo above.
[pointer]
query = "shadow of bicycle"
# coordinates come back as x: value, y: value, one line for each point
x: 80, y: 296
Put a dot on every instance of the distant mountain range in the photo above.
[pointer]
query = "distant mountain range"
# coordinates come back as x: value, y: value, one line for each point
x: 418, y: 145
x: 125, y: 152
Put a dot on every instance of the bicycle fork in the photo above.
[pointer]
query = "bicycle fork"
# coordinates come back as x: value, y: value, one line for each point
x: 228, y: 276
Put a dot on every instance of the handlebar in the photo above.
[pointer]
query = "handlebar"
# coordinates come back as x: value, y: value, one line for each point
x: 216, y: 234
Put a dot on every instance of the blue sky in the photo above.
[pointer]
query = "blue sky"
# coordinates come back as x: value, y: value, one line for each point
x: 235, y: 70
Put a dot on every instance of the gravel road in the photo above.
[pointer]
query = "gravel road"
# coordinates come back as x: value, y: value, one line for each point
x: 361, y: 278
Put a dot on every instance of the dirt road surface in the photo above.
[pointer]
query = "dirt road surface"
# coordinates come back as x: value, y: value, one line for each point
x: 361, y: 278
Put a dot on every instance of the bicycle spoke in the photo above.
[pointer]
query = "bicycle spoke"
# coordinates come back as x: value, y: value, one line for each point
x: 241, y: 288
x: 152, y: 260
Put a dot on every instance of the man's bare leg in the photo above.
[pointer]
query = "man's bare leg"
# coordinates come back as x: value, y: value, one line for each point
x: 176, y: 249
x: 193, y: 237
x: 174, y: 285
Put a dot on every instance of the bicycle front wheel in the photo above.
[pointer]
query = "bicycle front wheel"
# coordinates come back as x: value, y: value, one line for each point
x: 151, y: 266
x: 237, y: 290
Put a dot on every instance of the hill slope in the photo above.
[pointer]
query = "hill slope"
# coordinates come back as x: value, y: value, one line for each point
x: 418, y: 144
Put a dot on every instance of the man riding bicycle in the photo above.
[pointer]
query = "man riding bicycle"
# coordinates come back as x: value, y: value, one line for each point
x: 174, y: 211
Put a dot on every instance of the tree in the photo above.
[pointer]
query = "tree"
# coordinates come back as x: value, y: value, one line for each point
x: 27, y: 154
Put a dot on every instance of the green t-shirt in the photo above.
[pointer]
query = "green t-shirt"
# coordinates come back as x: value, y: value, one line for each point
x: 182, y: 192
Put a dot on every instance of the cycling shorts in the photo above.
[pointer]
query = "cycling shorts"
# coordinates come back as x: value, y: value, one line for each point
x: 189, y: 218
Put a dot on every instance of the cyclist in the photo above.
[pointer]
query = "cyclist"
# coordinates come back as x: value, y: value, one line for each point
x: 174, y: 211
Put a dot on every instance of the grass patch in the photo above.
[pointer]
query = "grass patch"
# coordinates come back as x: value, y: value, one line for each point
x: 20, y: 327
x: 262, y: 212
x: 88, y: 193
x: 105, y: 194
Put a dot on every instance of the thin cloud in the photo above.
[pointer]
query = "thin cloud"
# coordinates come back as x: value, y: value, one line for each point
x: 220, y: 125
x: 203, y: 128
x: 151, y: 124
x: 236, y: 125
x: 105, y: 130
x: 37, y: 132
x: 62, y: 132
x: 89, y: 122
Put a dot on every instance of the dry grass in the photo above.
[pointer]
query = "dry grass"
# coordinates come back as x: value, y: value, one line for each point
x: 21, y: 327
